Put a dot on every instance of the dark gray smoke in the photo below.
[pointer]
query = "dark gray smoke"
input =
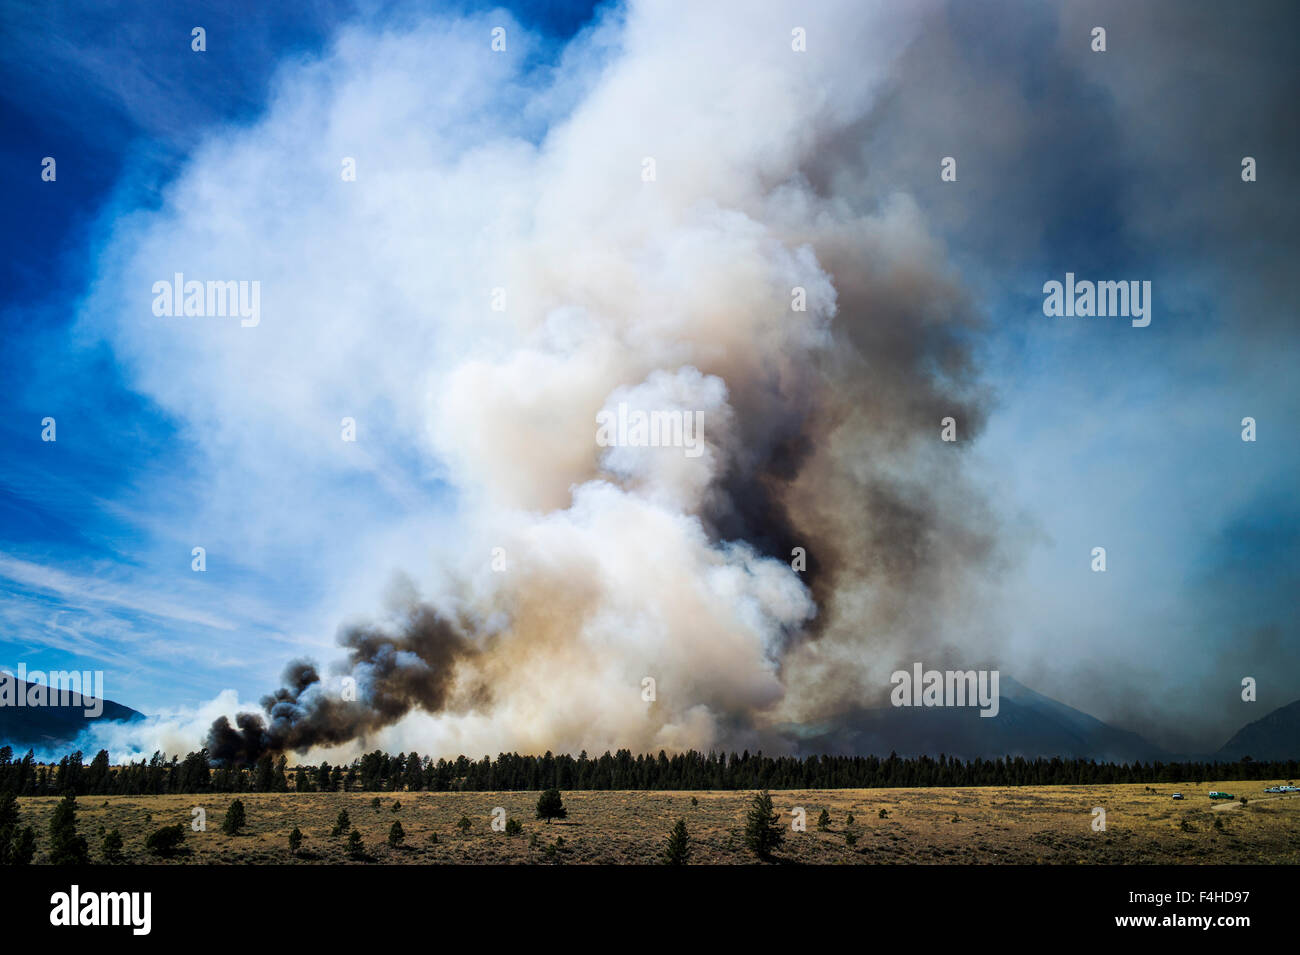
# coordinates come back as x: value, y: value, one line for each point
x: 394, y: 673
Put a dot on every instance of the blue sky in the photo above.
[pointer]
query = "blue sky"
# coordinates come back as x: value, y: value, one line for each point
x: 1116, y: 165
x: 96, y: 571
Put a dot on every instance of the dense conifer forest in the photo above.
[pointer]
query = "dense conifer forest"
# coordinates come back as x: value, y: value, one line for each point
x: 382, y: 772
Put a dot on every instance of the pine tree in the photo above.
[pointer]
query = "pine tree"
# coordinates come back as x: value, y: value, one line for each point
x: 24, y: 847
x: 342, y: 824
x: 110, y: 849
x: 356, y: 849
x: 66, y: 847
x: 234, y: 820
x: 464, y: 825
x: 678, y: 850
x: 551, y: 806
x: 824, y: 821
x: 295, y: 840
x: 17, y: 846
x: 396, y: 834
x: 763, y: 834
x: 265, y: 776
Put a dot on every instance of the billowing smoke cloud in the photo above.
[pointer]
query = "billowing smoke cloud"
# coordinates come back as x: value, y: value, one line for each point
x: 402, y: 671
x: 663, y: 246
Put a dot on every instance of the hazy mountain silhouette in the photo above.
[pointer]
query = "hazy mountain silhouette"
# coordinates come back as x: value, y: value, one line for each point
x: 1028, y: 724
x: 47, y: 727
x: 1275, y: 736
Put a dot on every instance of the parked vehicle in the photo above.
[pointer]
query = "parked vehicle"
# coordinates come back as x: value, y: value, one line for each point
x: 1177, y: 796
x: 1219, y: 795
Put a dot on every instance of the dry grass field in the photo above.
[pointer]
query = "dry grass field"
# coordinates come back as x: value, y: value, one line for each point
x: 1039, y: 824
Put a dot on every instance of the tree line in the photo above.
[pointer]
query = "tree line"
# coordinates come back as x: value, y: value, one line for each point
x: 691, y: 770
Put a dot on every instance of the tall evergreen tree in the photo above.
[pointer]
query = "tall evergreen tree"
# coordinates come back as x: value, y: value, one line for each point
x: 763, y: 833
x: 17, y: 846
x: 265, y: 774
x: 342, y: 824
x: 110, y: 849
x: 678, y: 849
x: 66, y: 847
x: 235, y: 819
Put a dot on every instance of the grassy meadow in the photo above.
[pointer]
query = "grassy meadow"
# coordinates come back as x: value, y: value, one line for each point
x: 1033, y: 824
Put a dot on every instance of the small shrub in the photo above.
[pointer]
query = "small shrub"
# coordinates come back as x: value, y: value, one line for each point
x: 849, y: 820
x: 396, y: 834
x: 884, y: 814
x: 165, y: 841
x: 464, y: 825
x: 375, y: 803
x: 550, y: 805
x: 850, y: 839
x: 295, y: 840
x: 397, y: 805
x: 694, y: 801
x: 514, y: 827
x: 342, y: 824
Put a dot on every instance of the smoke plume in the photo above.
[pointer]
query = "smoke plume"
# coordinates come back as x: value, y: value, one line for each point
x: 403, y: 671
x: 689, y: 234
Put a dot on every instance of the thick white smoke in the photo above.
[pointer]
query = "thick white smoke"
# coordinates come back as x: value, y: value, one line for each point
x: 482, y: 181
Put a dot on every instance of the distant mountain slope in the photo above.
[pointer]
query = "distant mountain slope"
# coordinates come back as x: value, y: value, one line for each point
x: 46, y: 727
x: 1275, y: 736
x: 1028, y: 724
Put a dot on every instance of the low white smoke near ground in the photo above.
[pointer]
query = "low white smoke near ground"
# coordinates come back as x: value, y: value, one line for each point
x: 820, y: 427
